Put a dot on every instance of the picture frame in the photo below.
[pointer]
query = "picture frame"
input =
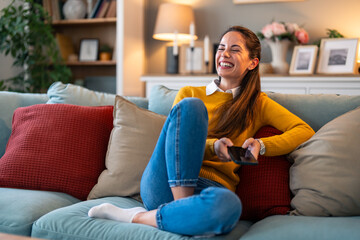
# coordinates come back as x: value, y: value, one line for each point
x: 89, y: 49
x: 338, y: 56
x: 192, y: 62
x: 262, y: 1
x: 303, y: 59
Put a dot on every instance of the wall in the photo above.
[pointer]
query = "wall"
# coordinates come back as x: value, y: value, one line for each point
x: 130, y: 48
x: 6, y: 69
x: 214, y: 16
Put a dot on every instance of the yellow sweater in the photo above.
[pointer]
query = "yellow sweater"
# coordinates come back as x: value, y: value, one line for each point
x: 295, y: 131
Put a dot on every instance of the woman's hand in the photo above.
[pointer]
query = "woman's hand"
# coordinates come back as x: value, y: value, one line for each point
x: 253, y: 145
x: 220, y: 148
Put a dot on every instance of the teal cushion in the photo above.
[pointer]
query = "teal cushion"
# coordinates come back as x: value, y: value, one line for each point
x: 314, y: 109
x: 77, y: 95
x: 161, y: 99
x: 20, y: 208
x: 317, y: 109
x: 300, y: 228
x: 9, y: 101
x: 73, y: 223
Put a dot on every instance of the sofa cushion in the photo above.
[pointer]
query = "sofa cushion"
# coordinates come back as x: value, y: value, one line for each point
x: 72, y: 223
x: 9, y: 101
x: 20, y: 208
x: 325, y: 175
x: 161, y: 99
x: 56, y: 147
x: 264, y: 189
x: 300, y: 228
x: 78, y: 95
x: 314, y: 109
x: 131, y: 144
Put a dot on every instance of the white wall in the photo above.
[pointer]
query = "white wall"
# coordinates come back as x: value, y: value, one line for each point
x: 130, y: 47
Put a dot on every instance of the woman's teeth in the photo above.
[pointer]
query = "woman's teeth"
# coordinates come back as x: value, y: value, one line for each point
x: 225, y: 64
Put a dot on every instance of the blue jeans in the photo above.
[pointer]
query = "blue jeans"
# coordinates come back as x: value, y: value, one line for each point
x: 176, y: 161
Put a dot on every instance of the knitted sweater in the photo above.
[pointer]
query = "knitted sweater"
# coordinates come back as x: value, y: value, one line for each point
x: 295, y: 131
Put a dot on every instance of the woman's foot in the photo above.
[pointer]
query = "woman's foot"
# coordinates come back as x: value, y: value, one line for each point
x: 109, y: 211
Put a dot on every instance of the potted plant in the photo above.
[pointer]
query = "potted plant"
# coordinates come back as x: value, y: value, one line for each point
x: 26, y: 34
x: 105, y: 52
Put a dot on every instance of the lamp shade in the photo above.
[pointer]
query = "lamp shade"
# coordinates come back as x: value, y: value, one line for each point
x: 173, y: 18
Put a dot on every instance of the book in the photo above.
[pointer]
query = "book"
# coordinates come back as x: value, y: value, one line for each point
x: 96, y: 8
x: 111, y: 13
x: 66, y: 47
x: 55, y: 10
x: 103, y: 9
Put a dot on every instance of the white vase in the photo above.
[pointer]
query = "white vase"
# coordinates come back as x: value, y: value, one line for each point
x: 74, y: 9
x: 278, y: 52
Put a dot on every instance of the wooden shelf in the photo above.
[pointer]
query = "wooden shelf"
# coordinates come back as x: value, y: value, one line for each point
x: 92, y: 63
x: 84, y: 21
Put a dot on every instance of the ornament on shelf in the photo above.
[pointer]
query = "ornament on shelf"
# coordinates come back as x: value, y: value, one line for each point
x: 74, y: 9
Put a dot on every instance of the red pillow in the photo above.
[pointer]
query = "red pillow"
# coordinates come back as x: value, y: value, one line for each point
x: 57, y: 147
x: 264, y: 189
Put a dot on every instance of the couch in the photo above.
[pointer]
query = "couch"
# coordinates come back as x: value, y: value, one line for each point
x: 321, y: 207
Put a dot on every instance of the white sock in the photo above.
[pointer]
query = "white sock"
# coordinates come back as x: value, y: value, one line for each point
x: 109, y: 211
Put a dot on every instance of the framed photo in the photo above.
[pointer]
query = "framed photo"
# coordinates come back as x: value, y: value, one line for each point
x: 303, y: 59
x: 191, y: 61
x: 89, y: 49
x: 338, y: 56
x: 263, y: 1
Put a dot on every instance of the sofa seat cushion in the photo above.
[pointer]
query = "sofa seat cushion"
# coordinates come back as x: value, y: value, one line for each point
x: 303, y: 227
x: 20, y: 208
x: 73, y: 223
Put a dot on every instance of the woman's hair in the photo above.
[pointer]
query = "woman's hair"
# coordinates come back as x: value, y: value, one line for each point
x: 233, y: 117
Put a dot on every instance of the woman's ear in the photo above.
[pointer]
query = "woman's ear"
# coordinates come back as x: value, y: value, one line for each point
x: 253, y: 64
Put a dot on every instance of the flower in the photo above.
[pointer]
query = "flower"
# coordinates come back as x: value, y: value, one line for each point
x: 281, y: 30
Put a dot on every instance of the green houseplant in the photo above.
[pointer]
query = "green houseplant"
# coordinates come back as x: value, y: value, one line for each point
x: 26, y: 34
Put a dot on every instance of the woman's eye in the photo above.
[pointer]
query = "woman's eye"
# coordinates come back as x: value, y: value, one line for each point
x: 235, y: 50
x: 221, y: 49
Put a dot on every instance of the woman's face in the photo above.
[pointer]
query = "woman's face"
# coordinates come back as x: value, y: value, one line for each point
x: 232, y: 57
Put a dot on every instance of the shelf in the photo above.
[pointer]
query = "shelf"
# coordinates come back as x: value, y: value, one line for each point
x: 93, y: 63
x: 84, y: 21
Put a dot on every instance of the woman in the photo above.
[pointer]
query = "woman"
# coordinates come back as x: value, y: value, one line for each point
x: 188, y: 186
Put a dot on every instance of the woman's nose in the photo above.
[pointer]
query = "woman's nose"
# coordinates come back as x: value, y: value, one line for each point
x: 226, y: 53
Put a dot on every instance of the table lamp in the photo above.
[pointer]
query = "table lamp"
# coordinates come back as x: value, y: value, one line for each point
x: 173, y: 23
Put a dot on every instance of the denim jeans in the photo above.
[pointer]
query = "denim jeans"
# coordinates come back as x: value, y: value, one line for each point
x: 176, y: 161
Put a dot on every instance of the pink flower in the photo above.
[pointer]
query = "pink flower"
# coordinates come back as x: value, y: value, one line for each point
x: 267, y: 31
x: 302, y: 36
x: 292, y: 27
x: 278, y: 28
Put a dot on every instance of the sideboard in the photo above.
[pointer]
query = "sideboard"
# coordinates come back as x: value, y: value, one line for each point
x: 307, y: 84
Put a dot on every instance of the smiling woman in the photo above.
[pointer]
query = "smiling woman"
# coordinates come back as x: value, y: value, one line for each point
x: 191, y: 160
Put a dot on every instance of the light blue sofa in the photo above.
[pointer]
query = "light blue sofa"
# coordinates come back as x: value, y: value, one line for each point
x: 53, y: 215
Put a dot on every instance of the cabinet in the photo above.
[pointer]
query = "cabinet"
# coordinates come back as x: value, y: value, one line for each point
x: 103, y: 29
x: 314, y: 84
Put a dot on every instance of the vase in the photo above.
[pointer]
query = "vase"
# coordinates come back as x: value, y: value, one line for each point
x: 74, y: 9
x: 279, y: 50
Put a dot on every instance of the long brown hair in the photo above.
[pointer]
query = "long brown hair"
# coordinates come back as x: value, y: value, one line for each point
x: 233, y: 117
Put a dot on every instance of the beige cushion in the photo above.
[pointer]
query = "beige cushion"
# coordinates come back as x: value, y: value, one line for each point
x: 325, y: 175
x: 131, y: 144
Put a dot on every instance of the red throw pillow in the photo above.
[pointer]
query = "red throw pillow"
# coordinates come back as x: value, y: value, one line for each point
x: 57, y: 147
x: 264, y: 189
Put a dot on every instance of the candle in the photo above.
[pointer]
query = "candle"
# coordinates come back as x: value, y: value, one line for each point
x: 175, y: 47
x: 206, y: 48
x: 192, y: 35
